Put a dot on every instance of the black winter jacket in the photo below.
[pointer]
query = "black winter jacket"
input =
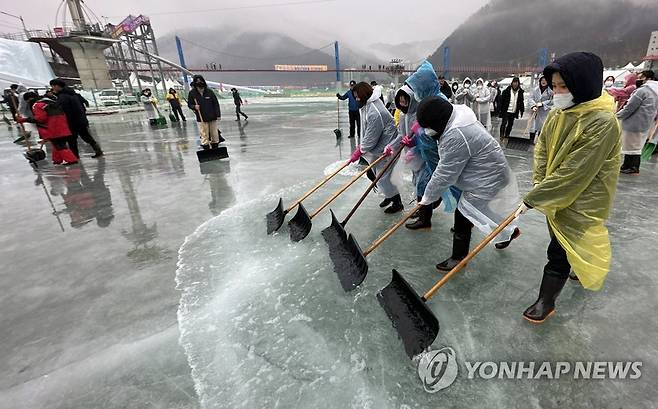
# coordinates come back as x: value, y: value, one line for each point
x: 208, y: 103
x: 76, y: 114
x: 505, y: 99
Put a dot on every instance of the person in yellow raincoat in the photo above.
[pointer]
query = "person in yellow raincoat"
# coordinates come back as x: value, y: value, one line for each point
x: 576, y: 167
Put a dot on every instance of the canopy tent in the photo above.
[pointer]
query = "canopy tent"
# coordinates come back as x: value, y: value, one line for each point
x: 23, y: 63
x: 170, y: 84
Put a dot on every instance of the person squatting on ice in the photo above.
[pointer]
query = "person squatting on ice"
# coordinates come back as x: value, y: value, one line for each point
x: 51, y: 122
x: 175, y: 104
x: 205, y: 105
x: 422, y: 154
x: 575, y: 174
x: 378, y: 131
x: 541, y: 103
x: 76, y: 115
x: 472, y: 161
x: 237, y: 100
x: 353, y: 107
x: 637, y: 120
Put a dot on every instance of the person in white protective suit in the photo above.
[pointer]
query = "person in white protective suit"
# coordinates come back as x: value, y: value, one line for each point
x: 472, y: 161
x: 481, y: 97
x: 377, y: 130
x: 463, y: 94
x: 541, y: 103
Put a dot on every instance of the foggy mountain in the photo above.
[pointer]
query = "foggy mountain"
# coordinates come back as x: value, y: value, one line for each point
x: 513, y: 31
x: 257, y: 50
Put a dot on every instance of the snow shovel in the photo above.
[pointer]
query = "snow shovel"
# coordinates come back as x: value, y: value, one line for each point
x: 350, y: 262
x: 522, y: 144
x: 335, y: 234
x: 300, y: 225
x: 206, y: 155
x: 337, y: 131
x: 275, y: 217
x: 160, y: 120
x: 415, y: 323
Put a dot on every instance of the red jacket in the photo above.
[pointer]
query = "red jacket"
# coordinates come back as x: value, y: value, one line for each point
x: 50, y: 119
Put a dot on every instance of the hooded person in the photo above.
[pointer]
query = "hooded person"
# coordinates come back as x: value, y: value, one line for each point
x: 205, y: 105
x: 512, y: 106
x: 353, y: 107
x: 148, y: 101
x: 576, y: 167
x: 379, y: 130
x: 621, y: 95
x: 541, y: 103
x: 421, y: 84
x: 481, y: 98
x: 175, y: 103
x: 463, y: 95
x: 50, y: 118
x: 473, y: 162
x: 637, y: 120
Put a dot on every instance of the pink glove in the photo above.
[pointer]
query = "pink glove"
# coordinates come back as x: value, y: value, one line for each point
x: 415, y: 127
x: 408, y: 141
x: 356, y: 154
x: 388, y: 150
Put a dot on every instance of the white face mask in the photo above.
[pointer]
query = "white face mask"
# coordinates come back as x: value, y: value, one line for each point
x: 479, y: 86
x: 430, y: 132
x: 609, y: 83
x: 563, y: 101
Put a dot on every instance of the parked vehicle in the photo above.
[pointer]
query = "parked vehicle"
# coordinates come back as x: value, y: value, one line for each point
x: 114, y: 97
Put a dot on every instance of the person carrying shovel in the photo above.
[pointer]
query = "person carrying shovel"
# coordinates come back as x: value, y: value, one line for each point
x: 205, y: 105
x: 472, y: 161
x: 577, y: 159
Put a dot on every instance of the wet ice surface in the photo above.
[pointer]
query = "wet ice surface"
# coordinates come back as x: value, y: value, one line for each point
x: 265, y: 323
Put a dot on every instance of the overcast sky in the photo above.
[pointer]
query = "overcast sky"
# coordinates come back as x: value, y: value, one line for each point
x: 312, y: 22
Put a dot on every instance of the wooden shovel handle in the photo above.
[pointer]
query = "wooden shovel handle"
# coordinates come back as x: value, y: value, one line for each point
x: 316, y: 187
x: 373, y: 184
x: 390, y: 231
x: 470, y: 256
x: 346, y: 186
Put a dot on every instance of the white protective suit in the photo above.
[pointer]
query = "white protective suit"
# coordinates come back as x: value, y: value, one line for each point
x: 463, y: 95
x: 544, y: 103
x: 378, y: 130
x: 473, y: 161
x: 481, y: 99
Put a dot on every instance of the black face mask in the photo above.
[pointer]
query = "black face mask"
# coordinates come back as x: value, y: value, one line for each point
x: 639, y: 83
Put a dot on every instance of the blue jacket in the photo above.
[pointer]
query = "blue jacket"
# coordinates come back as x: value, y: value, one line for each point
x: 352, y: 104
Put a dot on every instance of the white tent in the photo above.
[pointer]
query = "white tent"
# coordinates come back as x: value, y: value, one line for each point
x: 23, y: 63
x: 170, y: 84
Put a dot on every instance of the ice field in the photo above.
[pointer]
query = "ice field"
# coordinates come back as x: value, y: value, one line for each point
x: 183, y: 301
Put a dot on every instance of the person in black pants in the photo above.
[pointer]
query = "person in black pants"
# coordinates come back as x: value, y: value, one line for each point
x: 76, y: 117
x: 511, y: 107
x: 355, y: 116
x: 237, y: 100
x: 175, y: 103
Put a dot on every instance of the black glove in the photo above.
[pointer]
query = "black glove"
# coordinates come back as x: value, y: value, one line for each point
x: 337, y: 95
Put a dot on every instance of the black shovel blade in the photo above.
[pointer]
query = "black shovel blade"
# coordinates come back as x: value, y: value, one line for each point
x: 518, y: 144
x: 206, y: 155
x: 415, y: 323
x: 349, y: 263
x: 335, y: 234
x: 338, y: 133
x: 275, y: 218
x: 35, y: 155
x: 300, y: 225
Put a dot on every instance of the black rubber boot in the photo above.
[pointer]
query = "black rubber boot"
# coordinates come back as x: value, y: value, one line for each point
x: 214, y: 145
x: 98, y: 152
x: 205, y: 147
x: 386, y: 202
x: 633, y: 165
x: 504, y: 244
x: 532, y: 137
x: 396, y: 206
x: 544, y: 307
x: 460, y: 245
x: 424, y: 221
x: 625, y: 165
